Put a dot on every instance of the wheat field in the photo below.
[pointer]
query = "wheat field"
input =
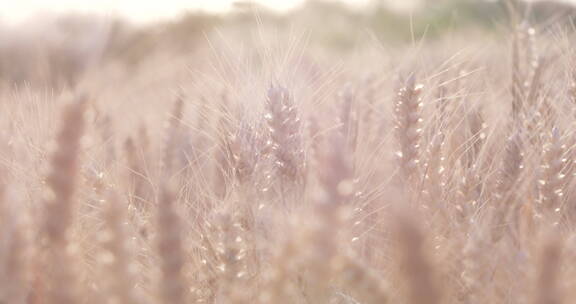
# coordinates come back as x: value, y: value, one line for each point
x: 264, y: 168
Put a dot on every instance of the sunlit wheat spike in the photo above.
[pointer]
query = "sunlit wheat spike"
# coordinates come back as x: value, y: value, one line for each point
x: 116, y: 258
x: 407, y: 107
x: 552, y: 178
x: 174, y: 155
x: 60, y: 204
x: 284, y: 125
x: 64, y: 167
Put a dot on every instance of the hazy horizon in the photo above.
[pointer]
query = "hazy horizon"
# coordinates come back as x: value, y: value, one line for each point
x: 17, y: 12
x: 133, y: 10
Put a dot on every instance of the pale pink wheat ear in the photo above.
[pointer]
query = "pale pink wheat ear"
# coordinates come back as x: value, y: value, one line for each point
x: 137, y: 176
x: 60, y: 205
x: 284, y: 126
x: 407, y: 107
x: 331, y: 209
x: 246, y: 150
x: 508, y: 177
x: 64, y: 168
x: 552, y: 178
x: 174, y: 157
x: 116, y: 258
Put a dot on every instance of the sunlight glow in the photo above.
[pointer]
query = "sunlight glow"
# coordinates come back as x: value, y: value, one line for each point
x: 134, y: 10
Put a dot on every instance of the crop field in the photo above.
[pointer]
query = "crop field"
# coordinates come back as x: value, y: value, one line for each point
x: 320, y: 157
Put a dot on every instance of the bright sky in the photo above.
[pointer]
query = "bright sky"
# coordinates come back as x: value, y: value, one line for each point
x: 14, y: 11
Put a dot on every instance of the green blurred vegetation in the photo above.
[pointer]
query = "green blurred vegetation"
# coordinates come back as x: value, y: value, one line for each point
x: 335, y: 25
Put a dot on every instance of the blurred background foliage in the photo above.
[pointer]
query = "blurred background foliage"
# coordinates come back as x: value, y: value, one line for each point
x: 56, y: 49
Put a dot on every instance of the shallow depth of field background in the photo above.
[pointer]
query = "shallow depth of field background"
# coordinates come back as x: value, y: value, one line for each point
x: 54, y: 44
x: 416, y: 152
